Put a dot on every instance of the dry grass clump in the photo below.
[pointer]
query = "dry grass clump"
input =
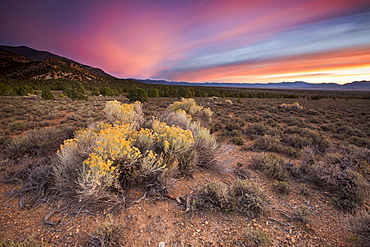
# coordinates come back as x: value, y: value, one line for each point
x: 303, y: 137
x: 242, y: 197
x: 257, y: 129
x: 205, y: 145
x: 302, y: 214
x: 245, y: 198
x: 211, y: 197
x: 109, y: 234
x: 108, y: 157
x: 30, y: 242
x: 282, y: 187
x: 255, y: 237
x: 36, y: 142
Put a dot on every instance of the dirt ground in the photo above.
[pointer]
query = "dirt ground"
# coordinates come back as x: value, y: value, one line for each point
x: 160, y: 221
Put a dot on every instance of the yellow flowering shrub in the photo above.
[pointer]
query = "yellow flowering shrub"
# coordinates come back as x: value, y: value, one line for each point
x: 124, y: 113
x: 189, y: 105
x: 199, y: 113
x: 151, y: 163
x: 178, y: 118
x: 119, y: 151
x: 144, y: 139
x: 113, y: 148
x: 172, y: 139
x: 206, y: 144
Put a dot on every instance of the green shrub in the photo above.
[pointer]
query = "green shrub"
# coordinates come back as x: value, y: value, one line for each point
x: 296, y: 140
x: 77, y: 91
x: 47, y: 94
x: 233, y: 126
x: 303, y: 137
x: 107, y: 91
x: 23, y: 90
x: 211, y: 197
x: 271, y: 165
x: 206, y: 146
x: 137, y: 94
x: 95, y: 91
x: 237, y: 140
x: 245, y: 198
x: 241, y: 197
x: 258, y: 129
x: 267, y: 143
x: 359, y: 141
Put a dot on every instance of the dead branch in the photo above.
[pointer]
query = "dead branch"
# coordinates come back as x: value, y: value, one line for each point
x: 280, y: 222
x: 138, y: 200
x: 48, y: 216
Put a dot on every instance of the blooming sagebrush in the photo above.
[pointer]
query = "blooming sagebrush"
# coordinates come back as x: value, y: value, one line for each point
x: 111, y: 154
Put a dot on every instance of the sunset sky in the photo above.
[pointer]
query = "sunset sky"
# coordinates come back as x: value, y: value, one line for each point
x: 200, y: 40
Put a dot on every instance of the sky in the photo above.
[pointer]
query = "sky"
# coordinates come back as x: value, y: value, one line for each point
x: 238, y: 41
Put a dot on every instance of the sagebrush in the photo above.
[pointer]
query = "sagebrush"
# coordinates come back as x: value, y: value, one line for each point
x: 121, y: 152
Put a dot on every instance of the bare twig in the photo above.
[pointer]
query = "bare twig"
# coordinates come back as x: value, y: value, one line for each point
x: 191, y: 188
x: 188, y: 204
x: 280, y: 222
x: 139, y: 200
x: 285, y: 214
x: 48, y: 216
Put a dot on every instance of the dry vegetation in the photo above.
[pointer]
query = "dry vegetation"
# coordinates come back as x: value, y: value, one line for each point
x: 283, y: 172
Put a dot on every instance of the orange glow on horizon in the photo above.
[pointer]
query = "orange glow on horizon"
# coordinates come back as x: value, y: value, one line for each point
x: 312, y: 65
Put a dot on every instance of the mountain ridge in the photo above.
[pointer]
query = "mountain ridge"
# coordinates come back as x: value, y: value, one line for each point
x: 40, y: 68
x: 42, y: 55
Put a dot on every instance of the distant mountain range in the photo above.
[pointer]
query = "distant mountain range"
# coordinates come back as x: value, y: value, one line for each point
x: 352, y: 86
x: 24, y: 63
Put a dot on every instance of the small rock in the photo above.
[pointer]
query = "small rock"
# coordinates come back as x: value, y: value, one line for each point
x: 161, y: 244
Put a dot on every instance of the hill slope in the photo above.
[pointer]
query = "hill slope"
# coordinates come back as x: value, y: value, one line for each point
x: 42, y: 55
